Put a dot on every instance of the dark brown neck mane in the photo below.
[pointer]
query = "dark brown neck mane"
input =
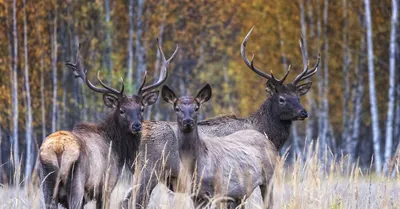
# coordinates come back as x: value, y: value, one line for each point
x: 124, y: 143
x: 265, y: 120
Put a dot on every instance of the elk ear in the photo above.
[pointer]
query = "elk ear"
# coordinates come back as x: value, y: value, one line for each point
x: 168, y: 95
x: 303, y: 88
x: 110, y: 100
x: 204, y: 94
x: 150, y: 98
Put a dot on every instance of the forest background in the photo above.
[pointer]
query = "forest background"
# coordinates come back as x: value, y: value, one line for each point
x: 354, y: 104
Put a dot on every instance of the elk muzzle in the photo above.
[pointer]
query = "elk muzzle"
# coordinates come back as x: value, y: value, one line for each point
x: 136, y: 128
x: 302, y: 114
x: 188, y: 123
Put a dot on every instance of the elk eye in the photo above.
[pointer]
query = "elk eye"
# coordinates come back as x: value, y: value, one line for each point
x: 281, y: 100
x: 197, y: 108
x: 177, y: 109
x: 142, y: 109
x: 121, y: 111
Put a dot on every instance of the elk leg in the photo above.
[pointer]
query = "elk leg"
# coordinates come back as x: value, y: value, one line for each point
x: 125, y: 202
x: 147, y: 183
x: 48, y: 176
x: 267, y: 194
x: 76, y: 187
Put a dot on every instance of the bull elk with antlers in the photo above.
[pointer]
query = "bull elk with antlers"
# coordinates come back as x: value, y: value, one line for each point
x: 274, y: 118
x: 84, y: 164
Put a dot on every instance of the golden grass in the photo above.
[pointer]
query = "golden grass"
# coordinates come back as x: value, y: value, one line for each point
x: 303, y: 184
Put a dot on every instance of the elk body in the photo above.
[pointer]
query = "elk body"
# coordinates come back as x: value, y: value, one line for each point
x: 274, y: 118
x: 84, y: 164
x: 232, y: 165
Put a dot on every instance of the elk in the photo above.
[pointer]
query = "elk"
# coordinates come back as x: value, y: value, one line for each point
x: 84, y: 164
x: 232, y: 165
x: 274, y: 118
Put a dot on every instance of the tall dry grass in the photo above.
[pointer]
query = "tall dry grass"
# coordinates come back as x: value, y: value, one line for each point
x: 307, y: 182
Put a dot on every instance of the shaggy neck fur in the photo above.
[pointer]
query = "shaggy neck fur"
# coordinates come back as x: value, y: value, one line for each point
x: 265, y: 120
x: 124, y: 143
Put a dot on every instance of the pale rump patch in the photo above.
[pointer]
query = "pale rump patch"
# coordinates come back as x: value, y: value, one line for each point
x: 60, y: 150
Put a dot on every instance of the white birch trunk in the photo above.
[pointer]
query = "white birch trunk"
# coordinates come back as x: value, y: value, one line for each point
x: 108, y: 58
x: 346, y: 80
x: 392, y: 85
x: 14, y: 90
x: 130, y: 45
x: 376, y: 132
x: 54, y: 48
x: 310, y: 121
x: 28, y: 133
x: 140, y: 52
x: 324, y: 138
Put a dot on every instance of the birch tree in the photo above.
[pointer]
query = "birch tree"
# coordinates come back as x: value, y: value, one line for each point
x: 130, y: 44
x: 140, y: 52
x: 28, y: 133
x: 14, y: 86
x: 108, y: 58
x: 372, y: 91
x: 310, y: 121
x: 324, y: 138
x: 54, y: 47
x: 392, y: 87
x: 346, y: 80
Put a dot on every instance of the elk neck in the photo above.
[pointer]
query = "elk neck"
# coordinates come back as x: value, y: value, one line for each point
x: 124, y: 143
x: 265, y: 120
x: 190, y: 143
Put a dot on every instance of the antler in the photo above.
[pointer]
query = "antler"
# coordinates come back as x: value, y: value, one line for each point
x: 163, y: 73
x: 306, y: 72
x: 80, y: 72
x: 243, y: 53
x: 250, y: 64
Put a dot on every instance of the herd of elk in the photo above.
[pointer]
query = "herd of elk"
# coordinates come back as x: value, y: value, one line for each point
x: 158, y: 151
x: 84, y: 164
x: 231, y: 166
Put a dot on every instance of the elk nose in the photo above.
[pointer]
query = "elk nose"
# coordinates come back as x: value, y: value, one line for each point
x: 303, y: 113
x: 188, y: 122
x: 136, y: 127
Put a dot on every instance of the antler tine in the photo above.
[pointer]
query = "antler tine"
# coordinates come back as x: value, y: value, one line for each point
x: 143, y: 82
x: 110, y: 89
x: 306, y: 72
x: 79, y: 72
x: 285, y: 76
x: 164, y: 70
x: 244, y: 57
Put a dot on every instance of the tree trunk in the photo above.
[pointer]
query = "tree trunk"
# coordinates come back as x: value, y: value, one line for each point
x: 140, y: 52
x: 372, y: 91
x: 130, y: 45
x: 54, y: 48
x: 29, y: 134
x: 108, y: 50
x: 158, y: 60
x: 310, y: 101
x: 324, y: 138
x: 14, y: 90
x: 346, y: 80
x: 392, y: 85
x: 320, y: 79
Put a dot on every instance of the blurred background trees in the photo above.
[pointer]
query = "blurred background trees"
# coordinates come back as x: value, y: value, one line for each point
x: 354, y: 104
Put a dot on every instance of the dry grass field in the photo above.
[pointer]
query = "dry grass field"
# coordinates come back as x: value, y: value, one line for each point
x: 304, y: 184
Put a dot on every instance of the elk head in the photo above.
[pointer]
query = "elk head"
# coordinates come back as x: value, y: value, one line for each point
x: 187, y: 108
x: 128, y: 109
x: 285, y: 98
